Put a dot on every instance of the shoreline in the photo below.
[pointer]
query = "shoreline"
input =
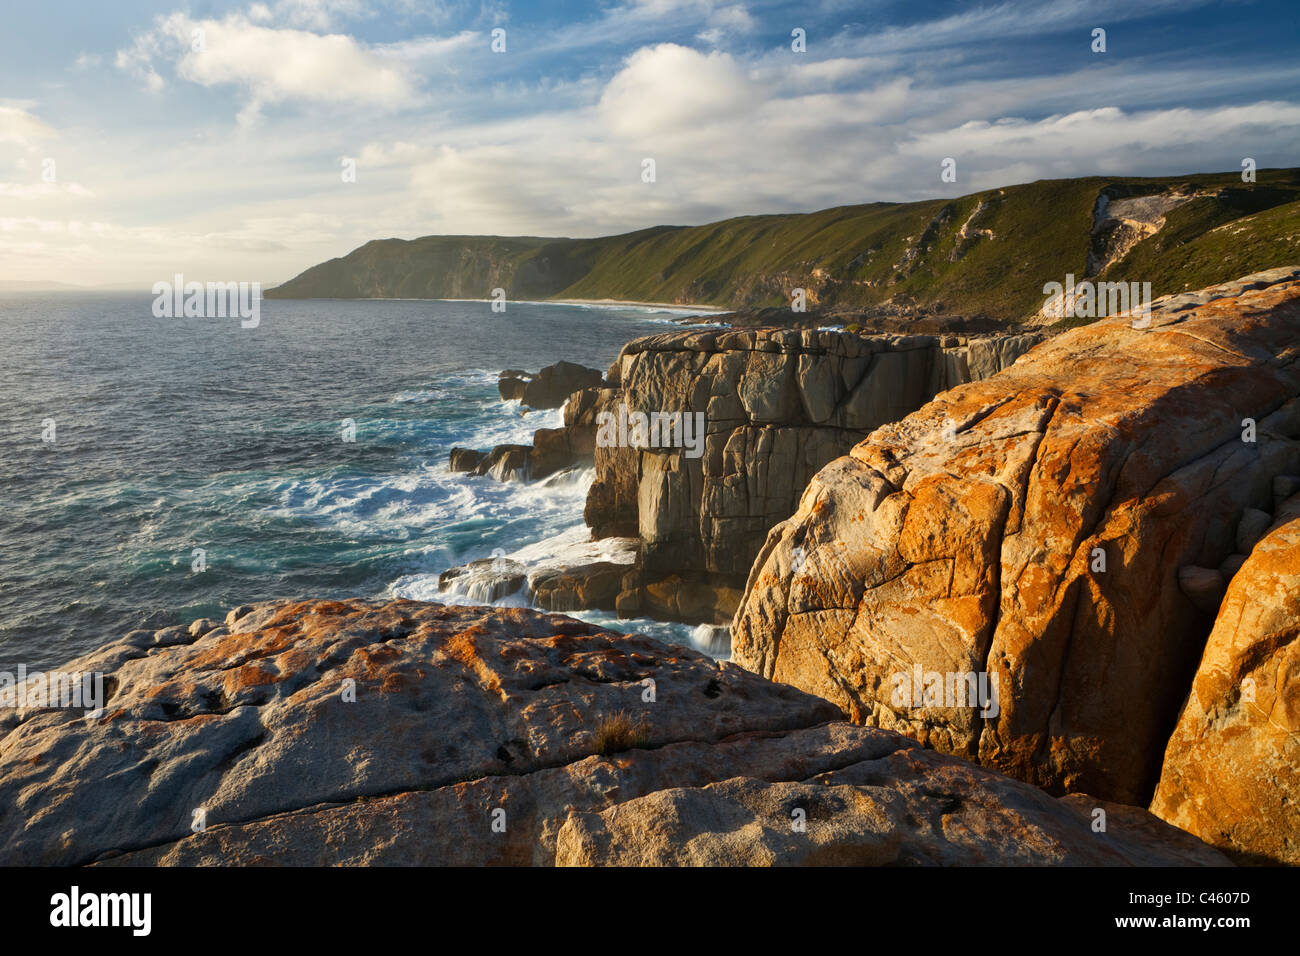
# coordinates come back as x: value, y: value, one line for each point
x: 609, y: 303
x: 629, y: 303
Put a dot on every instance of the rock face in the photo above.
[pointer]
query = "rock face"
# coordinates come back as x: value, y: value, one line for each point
x: 1028, y: 531
x: 511, y: 384
x: 464, y: 459
x: 777, y: 406
x: 595, y: 586
x: 553, y: 449
x: 906, y: 807
x: 1230, y: 771
x: 550, y: 387
x: 354, y: 732
x: 505, y: 463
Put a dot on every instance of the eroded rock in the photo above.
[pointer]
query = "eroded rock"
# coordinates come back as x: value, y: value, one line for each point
x: 1031, y: 527
x: 403, y: 733
x: 1230, y: 769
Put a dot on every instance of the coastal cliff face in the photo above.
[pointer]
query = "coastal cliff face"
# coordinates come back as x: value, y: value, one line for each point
x: 409, y: 733
x: 1065, y: 529
x: 1230, y: 769
x: 777, y: 405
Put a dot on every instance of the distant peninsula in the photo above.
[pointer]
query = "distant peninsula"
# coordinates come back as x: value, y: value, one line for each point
x: 985, y: 255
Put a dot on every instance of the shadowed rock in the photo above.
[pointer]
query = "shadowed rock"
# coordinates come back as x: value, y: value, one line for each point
x: 1229, y: 771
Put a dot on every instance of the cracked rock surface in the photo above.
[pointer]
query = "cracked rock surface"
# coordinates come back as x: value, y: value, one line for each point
x: 1230, y: 771
x: 486, y: 736
x: 971, y: 537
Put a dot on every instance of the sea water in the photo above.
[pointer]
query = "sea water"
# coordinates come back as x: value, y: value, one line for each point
x: 157, y: 470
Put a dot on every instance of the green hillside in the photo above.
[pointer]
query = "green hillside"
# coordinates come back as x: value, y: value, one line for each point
x: 983, y: 255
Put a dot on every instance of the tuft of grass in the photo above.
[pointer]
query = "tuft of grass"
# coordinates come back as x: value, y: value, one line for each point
x: 619, y: 732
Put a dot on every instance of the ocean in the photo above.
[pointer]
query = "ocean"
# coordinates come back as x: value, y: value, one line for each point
x: 196, y: 465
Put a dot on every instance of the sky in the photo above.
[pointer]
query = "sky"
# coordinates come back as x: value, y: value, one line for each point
x: 249, y: 141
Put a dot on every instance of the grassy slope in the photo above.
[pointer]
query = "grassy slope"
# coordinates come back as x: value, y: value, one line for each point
x: 854, y: 256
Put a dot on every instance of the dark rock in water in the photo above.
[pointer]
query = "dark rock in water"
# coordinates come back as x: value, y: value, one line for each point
x: 511, y: 387
x: 505, y: 463
x: 674, y: 598
x: 405, y: 733
x: 553, y: 450
x: 486, y: 580
x: 465, y: 459
x: 555, y: 383
x: 573, y: 589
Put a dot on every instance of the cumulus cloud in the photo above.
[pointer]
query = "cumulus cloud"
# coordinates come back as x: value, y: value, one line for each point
x: 667, y: 87
x: 270, y: 65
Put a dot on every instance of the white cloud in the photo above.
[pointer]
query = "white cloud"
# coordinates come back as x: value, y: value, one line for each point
x: 270, y: 65
x: 431, y: 48
x: 667, y: 88
x: 21, y: 127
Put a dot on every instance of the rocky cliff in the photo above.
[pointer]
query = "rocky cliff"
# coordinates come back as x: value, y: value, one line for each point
x: 776, y: 405
x: 1063, y: 531
x: 405, y: 733
x: 1230, y: 768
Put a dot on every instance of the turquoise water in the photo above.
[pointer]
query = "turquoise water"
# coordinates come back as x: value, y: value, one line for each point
x: 177, y: 434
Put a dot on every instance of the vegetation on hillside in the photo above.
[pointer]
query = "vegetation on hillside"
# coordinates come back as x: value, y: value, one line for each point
x: 987, y: 254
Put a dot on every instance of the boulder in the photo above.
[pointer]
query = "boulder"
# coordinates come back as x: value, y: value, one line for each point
x: 555, y: 449
x: 506, y: 463
x: 1028, y: 531
x: 909, y: 807
x: 553, y: 385
x: 1229, y: 773
x: 512, y: 382
x: 465, y: 459
x: 594, y: 586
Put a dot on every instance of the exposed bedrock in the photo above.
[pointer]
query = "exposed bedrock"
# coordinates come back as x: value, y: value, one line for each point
x: 777, y: 405
x: 1034, y: 528
x: 408, y: 733
x: 550, y: 387
x: 1230, y: 770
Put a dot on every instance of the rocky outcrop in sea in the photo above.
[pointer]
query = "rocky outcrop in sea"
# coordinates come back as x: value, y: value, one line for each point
x: 774, y: 407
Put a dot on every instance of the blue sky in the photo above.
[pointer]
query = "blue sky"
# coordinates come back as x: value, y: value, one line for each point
x: 142, y: 139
